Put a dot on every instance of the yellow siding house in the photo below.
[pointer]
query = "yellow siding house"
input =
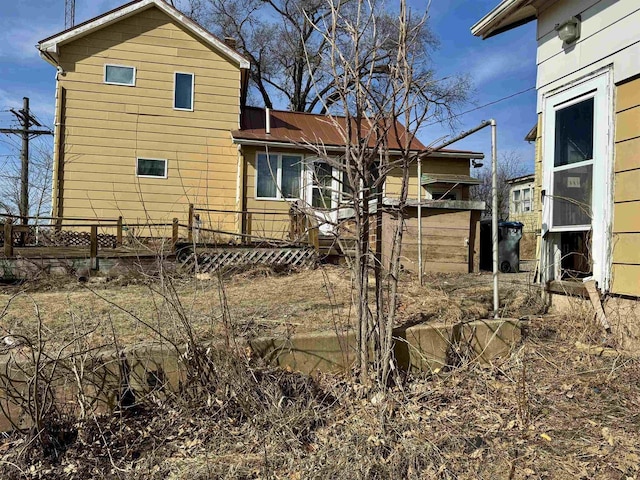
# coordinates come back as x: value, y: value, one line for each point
x: 151, y: 118
x: 587, y: 143
x: 146, y: 100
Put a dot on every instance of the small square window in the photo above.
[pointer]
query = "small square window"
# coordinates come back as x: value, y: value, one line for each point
x: 119, y: 75
x: 151, y: 167
x: 183, y: 91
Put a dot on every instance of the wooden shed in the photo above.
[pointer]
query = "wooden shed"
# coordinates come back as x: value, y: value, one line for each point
x: 450, y: 236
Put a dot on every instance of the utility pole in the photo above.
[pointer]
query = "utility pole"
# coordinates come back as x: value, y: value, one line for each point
x: 69, y: 13
x: 26, y: 121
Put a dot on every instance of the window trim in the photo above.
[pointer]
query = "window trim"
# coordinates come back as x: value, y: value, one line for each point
x: 193, y: 90
x: 166, y: 167
x: 279, y: 197
x: 135, y: 76
x: 563, y: 100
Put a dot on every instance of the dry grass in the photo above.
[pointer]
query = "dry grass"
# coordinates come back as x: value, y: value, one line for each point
x: 546, y: 412
x: 260, y: 302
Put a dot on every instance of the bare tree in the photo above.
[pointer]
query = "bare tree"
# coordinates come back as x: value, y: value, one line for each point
x: 288, y: 54
x: 378, y: 117
x: 510, y: 165
x: 40, y: 173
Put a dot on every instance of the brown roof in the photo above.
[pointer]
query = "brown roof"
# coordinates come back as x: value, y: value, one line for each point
x: 298, y: 128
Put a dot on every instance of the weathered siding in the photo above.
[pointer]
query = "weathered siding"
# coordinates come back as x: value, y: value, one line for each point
x: 538, y: 170
x: 274, y: 226
x: 450, y: 240
x: 626, y: 212
x: 106, y: 127
x: 609, y: 35
x: 451, y: 166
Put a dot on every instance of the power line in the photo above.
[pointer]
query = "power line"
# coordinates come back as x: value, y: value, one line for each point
x: 482, y: 106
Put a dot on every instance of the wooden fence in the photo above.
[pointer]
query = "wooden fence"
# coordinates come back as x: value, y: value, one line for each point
x: 292, y: 243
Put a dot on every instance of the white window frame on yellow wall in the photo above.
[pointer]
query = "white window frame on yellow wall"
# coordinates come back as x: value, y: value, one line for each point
x: 166, y: 167
x: 175, y: 91
x: 276, y: 176
x: 106, y: 67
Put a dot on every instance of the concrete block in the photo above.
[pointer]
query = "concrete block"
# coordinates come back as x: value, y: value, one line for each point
x: 425, y: 347
x: 487, y: 340
x: 308, y: 353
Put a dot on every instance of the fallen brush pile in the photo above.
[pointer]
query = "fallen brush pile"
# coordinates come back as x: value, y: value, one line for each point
x: 549, y: 411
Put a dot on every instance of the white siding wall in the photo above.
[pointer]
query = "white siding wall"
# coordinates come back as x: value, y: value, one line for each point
x: 609, y: 35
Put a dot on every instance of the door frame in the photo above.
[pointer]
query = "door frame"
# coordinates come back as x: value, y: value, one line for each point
x: 599, y: 85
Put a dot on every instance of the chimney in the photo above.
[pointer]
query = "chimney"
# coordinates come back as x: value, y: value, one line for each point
x: 267, y: 124
x: 230, y: 42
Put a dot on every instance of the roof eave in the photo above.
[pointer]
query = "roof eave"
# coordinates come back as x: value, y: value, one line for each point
x: 507, y: 15
x: 51, y: 44
x: 334, y: 148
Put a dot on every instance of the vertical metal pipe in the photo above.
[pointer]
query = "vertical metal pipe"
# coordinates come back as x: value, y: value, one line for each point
x: 494, y: 215
x: 420, y: 272
x: 267, y: 120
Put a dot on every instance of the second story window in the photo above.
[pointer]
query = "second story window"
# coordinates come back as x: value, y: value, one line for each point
x: 183, y: 91
x: 120, y: 75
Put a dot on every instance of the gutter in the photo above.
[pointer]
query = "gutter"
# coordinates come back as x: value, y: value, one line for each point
x: 488, y: 25
x: 337, y: 148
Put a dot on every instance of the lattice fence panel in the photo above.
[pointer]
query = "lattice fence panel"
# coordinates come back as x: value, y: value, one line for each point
x: 214, y: 260
x: 51, y: 237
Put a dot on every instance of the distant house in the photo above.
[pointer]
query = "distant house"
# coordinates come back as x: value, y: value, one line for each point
x: 151, y: 118
x: 523, y: 209
x: 587, y: 140
x: 522, y: 201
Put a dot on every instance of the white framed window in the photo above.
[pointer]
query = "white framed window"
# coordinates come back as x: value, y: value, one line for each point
x: 151, y: 167
x: 278, y: 176
x: 120, y: 75
x: 516, y: 201
x: 526, y: 199
x: 183, y: 91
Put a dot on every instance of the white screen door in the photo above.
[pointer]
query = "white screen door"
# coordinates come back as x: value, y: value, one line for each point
x: 577, y: 167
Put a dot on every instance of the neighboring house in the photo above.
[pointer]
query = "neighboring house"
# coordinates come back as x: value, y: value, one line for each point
x: 450, y: 219
x: 145, y: 103
x: 151, y: 117
x: 587, y: 138
x: 522, y: 208
x: 522, y: 202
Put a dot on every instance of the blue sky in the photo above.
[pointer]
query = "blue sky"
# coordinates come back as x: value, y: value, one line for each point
x: 498, y: 67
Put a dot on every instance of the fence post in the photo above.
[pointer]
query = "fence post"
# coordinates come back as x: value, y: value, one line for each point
x: 314, y: 238
x: 93, y: 254
x: 190, y: 224
x: 174, y: 233
x: 119, y: 232
x: 8, y: 239
x: 249, y: 218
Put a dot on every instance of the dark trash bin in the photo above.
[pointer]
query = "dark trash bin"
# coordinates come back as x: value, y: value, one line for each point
x: 509, y: 235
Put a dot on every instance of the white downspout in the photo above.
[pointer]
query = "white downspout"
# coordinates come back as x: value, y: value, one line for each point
x: 267, y: 125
